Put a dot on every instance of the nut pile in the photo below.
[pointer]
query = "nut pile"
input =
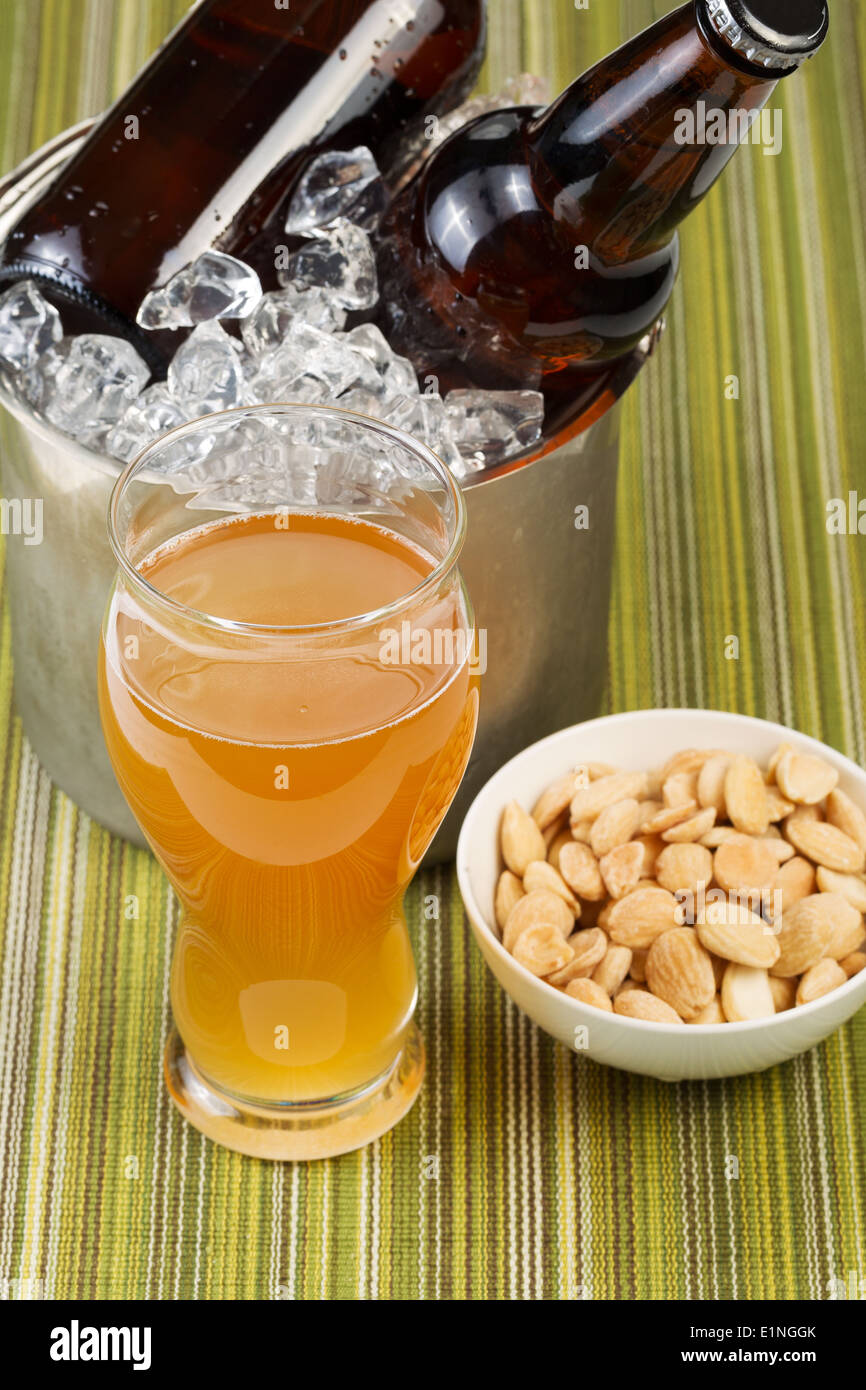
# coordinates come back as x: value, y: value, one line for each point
x: 710, y: 892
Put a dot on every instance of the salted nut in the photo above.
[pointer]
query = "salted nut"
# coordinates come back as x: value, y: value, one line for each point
x: 709, y: 892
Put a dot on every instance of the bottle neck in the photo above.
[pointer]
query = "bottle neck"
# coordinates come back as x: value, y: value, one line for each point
x: 628, y: 151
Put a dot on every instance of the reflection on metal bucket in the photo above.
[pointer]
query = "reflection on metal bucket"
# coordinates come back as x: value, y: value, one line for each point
x: 537, y: 567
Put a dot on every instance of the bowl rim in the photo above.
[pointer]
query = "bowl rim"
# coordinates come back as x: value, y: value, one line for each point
x: 480, y: 924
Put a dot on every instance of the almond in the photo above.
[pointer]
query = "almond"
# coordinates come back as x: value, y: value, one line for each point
x: 588, y: 992
x: 637, y: 969
x: 795, y: 880
x: 805, y: 779
x: 689, y: 760
x: 819, y: 980
x: 630, y: 985
x: 680, y: 789
x: 746, y: 797
x: 684, y: 868
x: 555, y: 800
x: 638, y: 919
x: 612, y: 970
x: 776, y: 758
x: 553, y: 849
x: 581, y: 831
x: 539, y: 908
x: 711, y: 783
x: 589, y: 802
x: 777, y: 807
x: 554, y: 830
x: 802, y: 813
x: 826, y: 844
x: 852, y: 965
x: 722, y: 835
x: 691, y: 829
x: 848, y: 934
x: 779, y: 848
x: 603, y: 918
x: 648, y: 809
x: 521, y: 839
x: 588, y: 948
x: 579, y: 867
x: 541, y: 950
x: 806, y: 930
x: 846, y: 816
x: 731, y: 931
x: 621, y: 869
x: 652, y: 848
x: 746, y: 994
x: 745, y: 865
x: 654, y: 787
x: 540, y: 874
x: 849, y: 886
x: 679, y: 971
x: 668, y: 817
x: 719, y: 968
x: 614, y: 826
x: 713, y: 1013
x: 784, y: 993
x: 509, y: 891
x: 596, y: 770
x: 639, y: 1003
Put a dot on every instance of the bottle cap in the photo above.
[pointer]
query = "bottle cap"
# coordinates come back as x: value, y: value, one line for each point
x: 777, y: 35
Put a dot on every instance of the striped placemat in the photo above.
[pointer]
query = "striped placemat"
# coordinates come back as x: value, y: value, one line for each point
x: 523, y: 1171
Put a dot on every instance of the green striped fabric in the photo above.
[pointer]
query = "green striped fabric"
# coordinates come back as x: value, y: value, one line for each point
x: 523, y: 1171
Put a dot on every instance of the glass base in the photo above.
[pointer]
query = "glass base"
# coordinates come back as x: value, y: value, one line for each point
x: 306, y: 1129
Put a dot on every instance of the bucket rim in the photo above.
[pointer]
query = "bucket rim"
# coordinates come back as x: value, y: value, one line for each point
x: 25, y: 177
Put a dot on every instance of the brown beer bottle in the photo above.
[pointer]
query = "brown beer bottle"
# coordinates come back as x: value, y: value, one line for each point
x: 534, y: 249
x: 206, y: 144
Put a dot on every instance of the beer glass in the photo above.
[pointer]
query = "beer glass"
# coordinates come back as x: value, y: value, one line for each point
x: 289, y: 699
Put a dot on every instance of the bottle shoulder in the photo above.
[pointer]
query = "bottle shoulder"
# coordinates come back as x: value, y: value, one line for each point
x: 475, y: 188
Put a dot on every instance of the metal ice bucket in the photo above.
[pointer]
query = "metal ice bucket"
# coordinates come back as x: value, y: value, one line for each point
x: 540, y: 584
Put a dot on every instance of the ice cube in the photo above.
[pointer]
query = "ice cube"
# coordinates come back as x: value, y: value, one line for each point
x: 150, y: 415
x: 362, y: 402
x: 397, y: 373
x: 30, y: 386
x: 332, y: 358
x: 215, y: 286
x: 93, y: 386
x: 34, y: 384
x: 339, y: 184
x: 29, y: 326
x: 206, y: 374
x: 281, y: 376
x: 311, y: 365
x: 425, y: 418
x: 401, y: 379
x: 490, y: 426
x: 269, y: 324
x: 339, y: 259
x: 423, y: 415
x: 371, y: 341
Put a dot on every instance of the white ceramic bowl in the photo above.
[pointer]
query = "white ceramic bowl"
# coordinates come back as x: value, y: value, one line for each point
x: 641, y: 740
